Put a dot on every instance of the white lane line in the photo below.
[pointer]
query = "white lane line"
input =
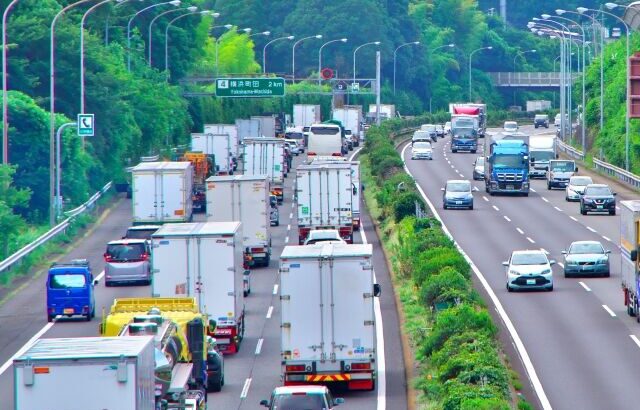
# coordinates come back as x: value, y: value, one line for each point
x: 461, y: 176
x: 270, y: 311
x: 452, y: 167
x: 532, y: 190
x: 100, y: 275
x: 485, y: 198
x: 507, y: 218
x: 530, y: 240
x: 288, y: 227
x: 591, y: 229
x: 561, y: 265
x: 291, y: 215
x: 448, y: 162
x: 520, y: 231
x: 26, y: 346
x: 605, y: 238
x: 275, y: 289
x: 609, y: 311
x: 245, y: 388
x: 557, y: 209
x: 635, y: 339
x: 286, y: 240
x: 382, y: 374
x: 584, y: 285
x: 475, y: 188
x: 545, y: 251
x: 573, y: 218
x: 259, y: 346
x: 617, y: 207
x: 545, y: 199
x: 522, y: 350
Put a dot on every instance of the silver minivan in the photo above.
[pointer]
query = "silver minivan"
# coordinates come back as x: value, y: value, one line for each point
x: 127, y: 261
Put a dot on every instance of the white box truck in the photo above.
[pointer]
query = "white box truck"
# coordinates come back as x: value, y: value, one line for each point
x: 267, y: 125
x: 542, y: 149
x: 204, y: 260
x: 230, y: 129
x: 387, y: 111
x: 351, y: 118
x: 328, y: 328
x: 106, y: 373
x: 248, y: 128
x: 629, y: 261
x: 219, y: 146
x: 265, y: 156
x: 324, y: 194
x: 306, y: 114
x: 243, y: 198
x: 161, y: 192
x: 355, y: 184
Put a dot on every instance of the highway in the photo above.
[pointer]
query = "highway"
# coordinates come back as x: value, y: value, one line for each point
x: 251, y: 374
x: 584, y: 348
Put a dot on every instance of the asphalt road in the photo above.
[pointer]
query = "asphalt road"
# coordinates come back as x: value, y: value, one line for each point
x: 251, y: 374
x: 580, y: 341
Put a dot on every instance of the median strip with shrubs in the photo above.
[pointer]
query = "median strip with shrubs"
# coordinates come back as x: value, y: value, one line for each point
x: 452, y: 335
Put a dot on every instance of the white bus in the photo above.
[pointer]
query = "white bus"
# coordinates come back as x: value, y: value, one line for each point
x: 324, y: 139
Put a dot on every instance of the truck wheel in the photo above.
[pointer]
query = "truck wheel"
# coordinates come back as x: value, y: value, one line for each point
x: 88, y: 317
x: 214, y: 386
x: 548, y: 186
x: 245, y: 293
x: 473, y: 151
x: 267, y: 261
x: 50, y: 318
x: 582, y: 211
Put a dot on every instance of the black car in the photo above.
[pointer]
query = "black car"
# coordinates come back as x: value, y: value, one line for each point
x: 478, y: 168
x: 541, y: 120
x: 598, y: 198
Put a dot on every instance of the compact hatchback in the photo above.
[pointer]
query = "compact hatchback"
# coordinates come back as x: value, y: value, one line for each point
x: 478, y: 168
x: 598, y: 198
x: 576, y: 187
x: 127, y: 261
x: 457, y: 194
x: 510, y: 126
x: 301, y: 398
x: 529, y: 270
x: 70, y: 290
x: 421, y: 150
x: 586, y: 258
x: 541, y: 120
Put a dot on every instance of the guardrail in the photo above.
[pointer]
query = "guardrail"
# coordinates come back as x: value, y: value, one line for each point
x: 53, y: 232
x: 570, y: 151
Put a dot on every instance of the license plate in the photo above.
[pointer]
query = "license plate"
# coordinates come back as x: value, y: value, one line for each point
x: 510, y: 187
x: 531, y: 281
x: 68, y: 311
x: 599, y: 206
x: 458, y: 202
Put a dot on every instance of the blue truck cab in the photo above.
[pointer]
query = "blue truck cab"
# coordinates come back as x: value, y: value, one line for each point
x: 464, y: 133
x: 70, y: 290
x: 507, y: 164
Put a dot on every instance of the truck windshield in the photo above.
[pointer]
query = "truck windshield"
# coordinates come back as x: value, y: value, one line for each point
x: 562, y: 166
x: 463, y: 123
x: 507, y: 161
x: 542, y: 155
x: 67, y: 281
x: 463, y: 132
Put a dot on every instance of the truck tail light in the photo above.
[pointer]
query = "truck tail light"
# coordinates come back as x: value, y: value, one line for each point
x: 294, y: 368
x: 336, y: 154
x: 311, y: 153
x: 144, y: 257
x: 361, y: 366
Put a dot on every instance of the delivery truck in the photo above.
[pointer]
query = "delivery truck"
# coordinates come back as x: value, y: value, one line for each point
x: 306, y: 114
x: 204, y: 260
x: 629, y: 261
x: 248, y: 128
x: 267, y: 125
x: 219, y: 146
x: 328, y: 327
x: 112, y: 373
x: 162, y: 192
x: 324, y: 194
x: 243, y: 198
x: 355, y: 184
x: 266, y: 156
x: 351, y: 118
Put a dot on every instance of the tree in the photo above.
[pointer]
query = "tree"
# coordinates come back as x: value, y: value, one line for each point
x: 11, y: 223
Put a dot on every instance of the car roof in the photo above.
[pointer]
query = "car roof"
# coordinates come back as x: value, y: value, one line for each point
x: 528, y: 251
x: 300, y: 389
x: 586, y: 243
x: 127, y: 241
x: 458, y: 181
x: 324, y: 231
x: 598, y: 186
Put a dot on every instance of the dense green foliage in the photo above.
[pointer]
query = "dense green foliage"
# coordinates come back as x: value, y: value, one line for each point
x: 461, y: 367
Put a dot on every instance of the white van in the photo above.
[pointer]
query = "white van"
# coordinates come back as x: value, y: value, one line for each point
x: 324, y: 139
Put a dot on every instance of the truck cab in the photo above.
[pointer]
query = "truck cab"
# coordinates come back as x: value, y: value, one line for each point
x: 70, y: 290
x: 560, y: 172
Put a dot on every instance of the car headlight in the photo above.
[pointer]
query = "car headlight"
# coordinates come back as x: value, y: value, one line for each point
x: 587, y: 200
x: 546, y: 272
x: 514, y: 272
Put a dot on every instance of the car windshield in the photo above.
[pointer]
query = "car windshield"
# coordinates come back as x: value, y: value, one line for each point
x: 528, y: 259
x: 458, y: 187
x: 562, y: 166
x: 125, y: 252
x: 140, y: 233
x: 541, y: 117
x: 294, y: 135
x: 67, y: 281
x: 586, y: 248
x: 597, y: 191
x: 507, y: 161
x: 580, y: 181
x: 422, y: 145
x: 439, y: 127
x: 299, y: 401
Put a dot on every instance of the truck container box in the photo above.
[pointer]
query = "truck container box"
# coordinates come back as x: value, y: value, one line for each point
x: 351, y: 118
x: 230, y: 129
x: 306, y: 114
x: 86, y: 373
x: 204, y: 260
x: 161, y: 192
x: 248, y: 128
x: 220, y: 146
x: 265, y: 156
x: 267, y: 125
x: 355, y: 183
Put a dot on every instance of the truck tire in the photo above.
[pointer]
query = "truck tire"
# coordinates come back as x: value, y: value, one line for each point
x: 548, y: 186
x: 473, y: 151
x: 50, y: 318
x: 214, y: 386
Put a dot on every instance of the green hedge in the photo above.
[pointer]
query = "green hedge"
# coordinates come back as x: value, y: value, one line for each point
x: 461, y: 366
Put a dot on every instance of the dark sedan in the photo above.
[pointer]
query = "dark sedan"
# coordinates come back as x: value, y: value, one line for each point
x: 598, y: 198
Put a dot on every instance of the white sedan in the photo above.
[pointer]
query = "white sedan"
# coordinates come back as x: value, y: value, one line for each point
x: 529, y: 269
x: 576, y: 187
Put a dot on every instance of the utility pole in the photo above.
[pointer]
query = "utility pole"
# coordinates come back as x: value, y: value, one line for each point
x: 377, y: 87
x: 503, y: 11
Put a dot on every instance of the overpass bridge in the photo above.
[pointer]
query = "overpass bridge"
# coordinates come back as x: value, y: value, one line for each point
x: 534, y: 80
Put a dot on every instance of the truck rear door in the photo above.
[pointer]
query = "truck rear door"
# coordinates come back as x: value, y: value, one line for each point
x: 170, y: 267
x: 172, y: 195
x: 215, y: 279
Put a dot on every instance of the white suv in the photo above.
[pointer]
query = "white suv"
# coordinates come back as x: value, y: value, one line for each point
x: 529, y: 269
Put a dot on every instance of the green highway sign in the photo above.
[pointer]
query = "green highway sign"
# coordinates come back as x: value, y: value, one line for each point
x: 250, y: 87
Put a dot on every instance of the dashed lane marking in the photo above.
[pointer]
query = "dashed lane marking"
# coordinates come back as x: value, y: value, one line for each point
x: 259, y: 346
x: 635, y: 340
x: 584, y: 285
x: 530, y: 240
x: 275, y: 289
x: 545, y: 199
x: 496, y: 208
x: 485, y: 198
x: 557, y: 209
x: 591, y: 229
x: 245, y: 388
x: 269, y: 311
x: 573, y: 218
x: 609, y: 311
x: 605, y: 238
x: 507, y: 218
x: 520, y: 231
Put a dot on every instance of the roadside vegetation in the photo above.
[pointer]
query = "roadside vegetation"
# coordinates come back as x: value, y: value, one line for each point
x: 452, y: 336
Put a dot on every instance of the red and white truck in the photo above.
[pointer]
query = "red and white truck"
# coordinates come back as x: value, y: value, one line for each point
x: 265, y: 156
x: 328, y: 328
x: 324, y: 195
x: 204, y: 260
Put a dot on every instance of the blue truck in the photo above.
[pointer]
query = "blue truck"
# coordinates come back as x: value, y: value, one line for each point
x: 464, y: 133
x: 70, y: 290
x: 506, y: 168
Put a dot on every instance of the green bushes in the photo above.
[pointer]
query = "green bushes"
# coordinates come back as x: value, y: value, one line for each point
x: 453, y: 334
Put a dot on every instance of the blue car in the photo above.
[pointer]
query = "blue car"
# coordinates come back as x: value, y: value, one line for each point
x: 457, y: 194
x: 70, y: 290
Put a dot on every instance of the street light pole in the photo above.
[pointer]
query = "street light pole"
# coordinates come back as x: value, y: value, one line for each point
x: 470, y: 57
x: 264, y: 51
x: 5, y: 98
x: 58, y: 198
x: 394, y: 61
x: 344, y: 40
x: 106, y: 22
x: 354, y: 56
x: 293, y: 56
x: 166, y: 35
x: 150, y: 36
x: 227, y: 26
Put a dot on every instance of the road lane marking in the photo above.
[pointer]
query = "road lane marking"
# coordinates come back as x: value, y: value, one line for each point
x: 561, y: 265
x: 286, y: 240
x: 635, y: 339
x: 545, y: 199
x: 288, y: 227
x: 259, y: 346
x: 617, y: 207
x: 291, y: 215
x: 573, y: 218
x: 245, y: 388
x: 605, y: 238
x: 496, y: 208
x: 591, y: 229
x: 507, y: 218
x: 584, y: 285
x: 461, y: 176
x: 532, y: 190
x: 520, y: 231
x: 452, y: 167
x: 530, y: 240
x: 275, y: 289
x: 270, y: 311
x: 609, y: 311
x: 520, y: 347
x: 485, y: 198
x: 475, y: 188
x: 26, y: 346
x: 100, y: 275
x: 557, y: 209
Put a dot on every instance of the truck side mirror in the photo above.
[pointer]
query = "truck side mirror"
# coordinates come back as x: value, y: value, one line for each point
x: 355, y: 191
x: 576, y: 169
x: 532, y: 159
x: 264, y: 403
x: 634, y: 255
x: 362, y: 188
x: 212, y: 325
x: 376, y: 290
